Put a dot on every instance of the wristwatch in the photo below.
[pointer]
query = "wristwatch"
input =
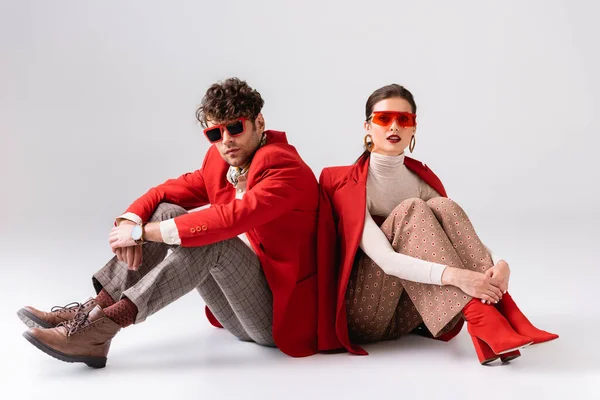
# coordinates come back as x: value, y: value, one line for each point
x: 137, y: 233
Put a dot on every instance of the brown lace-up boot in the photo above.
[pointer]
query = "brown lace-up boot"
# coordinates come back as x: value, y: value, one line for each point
x: 34, y: 318
x: 85, y: 338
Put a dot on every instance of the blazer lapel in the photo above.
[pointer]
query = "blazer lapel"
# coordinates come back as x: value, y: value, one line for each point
x: 426, y: 174
x: 352, y: 201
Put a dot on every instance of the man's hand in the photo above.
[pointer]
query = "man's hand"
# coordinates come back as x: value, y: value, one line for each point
x: 124, y: 246
x: 500, y: 275
x: 130, y: 255
x: 120, y: 236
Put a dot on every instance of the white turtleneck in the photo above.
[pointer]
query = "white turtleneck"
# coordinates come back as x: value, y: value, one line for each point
x: 388, y: 184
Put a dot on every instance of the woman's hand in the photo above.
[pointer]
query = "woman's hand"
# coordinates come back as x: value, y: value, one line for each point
x: 500, y: 274
x: 475, y: 284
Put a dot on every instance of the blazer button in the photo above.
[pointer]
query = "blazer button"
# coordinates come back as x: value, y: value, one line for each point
x: 204, y: 227
x: 192, y: 230
x: 198, y: 229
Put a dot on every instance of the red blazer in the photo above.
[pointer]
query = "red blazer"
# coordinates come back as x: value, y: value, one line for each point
x: 279, y: 215
x: 341, y: 222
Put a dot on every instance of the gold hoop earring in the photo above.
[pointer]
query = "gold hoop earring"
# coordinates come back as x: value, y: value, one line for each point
x: 368, y: 144
x: 413, y: 141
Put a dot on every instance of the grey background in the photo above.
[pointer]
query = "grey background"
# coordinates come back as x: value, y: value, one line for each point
x: 97, y: 104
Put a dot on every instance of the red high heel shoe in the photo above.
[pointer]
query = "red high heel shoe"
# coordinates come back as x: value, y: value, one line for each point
x: 486, y: 355
x: 507, y: 357
x: 519, y: 322
x: 490, y: 330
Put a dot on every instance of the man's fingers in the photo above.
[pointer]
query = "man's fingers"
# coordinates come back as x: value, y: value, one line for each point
x: 130, y: 255
x: 137, y: 257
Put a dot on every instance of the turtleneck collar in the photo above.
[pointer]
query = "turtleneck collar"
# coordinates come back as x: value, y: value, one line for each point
x: 383, y: 165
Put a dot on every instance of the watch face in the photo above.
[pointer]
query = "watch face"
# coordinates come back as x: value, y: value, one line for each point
x: 136, y: 232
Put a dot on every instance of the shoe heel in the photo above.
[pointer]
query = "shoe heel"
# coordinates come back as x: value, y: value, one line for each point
x: 506, y: 357
x: 484, y: 352
x: 99, y: 362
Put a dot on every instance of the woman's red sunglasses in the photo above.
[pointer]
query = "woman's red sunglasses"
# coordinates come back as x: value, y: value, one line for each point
x: 214, y: 134
x: 386, y: 118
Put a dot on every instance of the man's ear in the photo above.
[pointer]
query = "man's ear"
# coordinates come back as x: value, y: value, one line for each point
x: 260, y: 123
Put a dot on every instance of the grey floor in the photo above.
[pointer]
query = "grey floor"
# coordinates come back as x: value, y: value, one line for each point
x: 176, y: 354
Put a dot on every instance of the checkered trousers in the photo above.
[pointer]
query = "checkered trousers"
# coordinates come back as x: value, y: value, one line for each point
x: 227, y: 274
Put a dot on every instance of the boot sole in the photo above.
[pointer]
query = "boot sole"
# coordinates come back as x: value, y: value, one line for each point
x: 541, y: 344
x: 93, y: 362
x: 509, y: 358
x: 31, y: 320
x: 516, y: 348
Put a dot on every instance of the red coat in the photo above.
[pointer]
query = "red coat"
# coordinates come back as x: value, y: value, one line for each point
x: 279, y: 215
x: 341, y: 222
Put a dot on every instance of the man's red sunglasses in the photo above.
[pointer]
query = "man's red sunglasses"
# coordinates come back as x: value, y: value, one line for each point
x: 214, y: 134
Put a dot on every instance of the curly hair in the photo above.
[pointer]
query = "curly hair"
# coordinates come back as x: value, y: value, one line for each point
x: 228, y: 100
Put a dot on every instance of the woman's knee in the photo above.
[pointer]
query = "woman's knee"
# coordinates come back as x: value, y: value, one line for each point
x: 411, y: 203
x: 436, y: 201
x: 443, y: 204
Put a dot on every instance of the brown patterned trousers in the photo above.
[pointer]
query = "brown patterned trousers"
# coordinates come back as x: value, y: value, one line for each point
x: 384, y: 307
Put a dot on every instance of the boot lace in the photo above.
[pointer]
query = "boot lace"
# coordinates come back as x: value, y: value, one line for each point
x: 71, y: 306
x: 77, y: 322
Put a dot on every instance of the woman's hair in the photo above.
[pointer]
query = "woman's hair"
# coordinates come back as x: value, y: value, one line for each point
x: 387, y: 92
x: 228, y: 100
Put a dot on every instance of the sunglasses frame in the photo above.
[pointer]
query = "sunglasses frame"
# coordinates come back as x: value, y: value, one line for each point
x: 222, y: 127
x: 396, y: 114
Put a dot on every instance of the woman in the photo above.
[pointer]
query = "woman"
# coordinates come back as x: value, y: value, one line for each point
x: 423, y: 269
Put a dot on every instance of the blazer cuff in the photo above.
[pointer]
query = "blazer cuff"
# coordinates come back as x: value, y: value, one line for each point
x: 131, y: 217
x: 169, y: 232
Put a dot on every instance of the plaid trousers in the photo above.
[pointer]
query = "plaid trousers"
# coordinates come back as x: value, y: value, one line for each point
x: 227, y: 274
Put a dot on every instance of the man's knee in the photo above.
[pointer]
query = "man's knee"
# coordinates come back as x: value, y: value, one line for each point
x: 167, y: 211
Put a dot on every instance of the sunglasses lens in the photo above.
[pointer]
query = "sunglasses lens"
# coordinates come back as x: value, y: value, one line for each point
x: 403, y: 120
x: 383, y: 119
x: 213, y: 135
x: 235, y: 128
x: 386, y: 118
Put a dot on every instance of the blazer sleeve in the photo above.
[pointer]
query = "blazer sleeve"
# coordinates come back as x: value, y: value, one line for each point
x: 327, y: 266
x: 187, y: 191
x: 280, y: 179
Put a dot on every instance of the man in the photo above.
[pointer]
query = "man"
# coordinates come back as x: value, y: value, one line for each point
x: 251, y: 255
